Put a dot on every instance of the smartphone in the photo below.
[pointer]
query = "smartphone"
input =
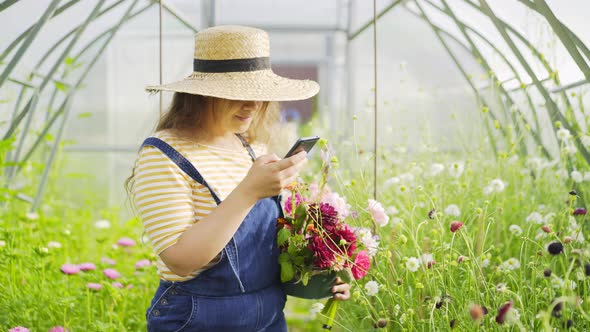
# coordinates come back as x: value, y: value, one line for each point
x: 302, y: 144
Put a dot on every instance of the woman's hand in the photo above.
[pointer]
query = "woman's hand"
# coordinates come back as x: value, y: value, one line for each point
x: 269, y: 174
x: 341, y: 290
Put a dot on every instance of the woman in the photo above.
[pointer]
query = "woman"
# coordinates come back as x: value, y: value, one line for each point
x: 206, y: 189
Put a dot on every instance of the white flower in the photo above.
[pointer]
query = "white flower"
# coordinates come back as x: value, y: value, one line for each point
x: 512, y: 316
x: 585, y: 140
x: 535, y: 217
x: 426, y: 258
x: 513, y: 159
x: 570, y: 149
x: 496, y: 185
x: 396, y: 220
x: 436, y: 169
x: 44, y: 250
x: 485, y: 262
x: 53, y: 244
x: 456, y: 169
x: 413, y: 264
x: 32, y: 215
x: 368, y: 240
x: 563, y: 134
x: 562, y: 174
x: 586, y: 176
x: 102, y: 224
x: 392, y: 210
x: 501, y: 287
x: 316, y: 308
x: 2, y: 243
x: 510, y: 264
x: 535, y: 163
x: 67, y: 232
x: 396, y: 309
x: 557, y: 282
x: 453, y: 210
x: 515, y: 230
x: 372, y: 288
x: 391, y: 181
x: 577, y: 176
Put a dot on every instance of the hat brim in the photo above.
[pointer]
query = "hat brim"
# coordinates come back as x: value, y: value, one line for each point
x: 261, y: 85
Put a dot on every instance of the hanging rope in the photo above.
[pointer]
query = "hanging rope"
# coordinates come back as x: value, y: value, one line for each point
x: 375, y: 97
x: 160, y: 45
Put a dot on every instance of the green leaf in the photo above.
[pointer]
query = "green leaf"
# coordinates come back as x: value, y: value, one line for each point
x: 292, y: 249
x: 287, y: 272
x: 85, y: 115
x: 283, y: 257
x: 283, y: 236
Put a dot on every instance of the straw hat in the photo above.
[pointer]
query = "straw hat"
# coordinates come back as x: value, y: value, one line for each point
x: 233, y: 62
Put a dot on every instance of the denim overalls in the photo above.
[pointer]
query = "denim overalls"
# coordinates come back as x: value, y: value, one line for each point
x: 240, y: 293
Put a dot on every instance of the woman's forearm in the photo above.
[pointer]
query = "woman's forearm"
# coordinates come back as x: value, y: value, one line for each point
x: 203, y: 241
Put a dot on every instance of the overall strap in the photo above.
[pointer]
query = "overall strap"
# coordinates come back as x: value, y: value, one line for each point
x: 181, y: 161
x: 188, y: 168
x: 247, y: 146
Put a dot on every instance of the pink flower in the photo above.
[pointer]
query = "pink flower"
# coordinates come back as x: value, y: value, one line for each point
x: 87, y: 267
x: 126, y: 242
x: 314, y: 190
x: 58, y: 329
x: 339, y: 203
x: 455, y: 226
x: 19, y: 329
x: 289, y: 201
x: 117, y: 284
x: 111, y: 273
x: 70, y: 269
x: 142, y: 263
x: 129, y: 286
x: 108, y: 261
x: 361, y: 265
x: 378, y: 212
x: 94, y: 286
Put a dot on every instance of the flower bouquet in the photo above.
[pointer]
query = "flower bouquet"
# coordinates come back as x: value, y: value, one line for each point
x: 317, y: 246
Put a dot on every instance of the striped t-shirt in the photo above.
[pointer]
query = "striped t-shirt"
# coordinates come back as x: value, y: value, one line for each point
x: 169, y: 201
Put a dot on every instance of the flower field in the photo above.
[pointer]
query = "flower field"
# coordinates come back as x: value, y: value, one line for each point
x: 470, y: 244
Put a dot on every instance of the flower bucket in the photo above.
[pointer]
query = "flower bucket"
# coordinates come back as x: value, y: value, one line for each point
x: 319, y: 286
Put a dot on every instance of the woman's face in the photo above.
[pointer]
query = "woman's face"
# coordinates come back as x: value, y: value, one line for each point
x: 235, y: 116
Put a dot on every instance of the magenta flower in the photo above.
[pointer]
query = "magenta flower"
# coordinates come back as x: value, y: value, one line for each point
x: 289, y: 201
x: 108, y: 261
x: 58, y: 329
x: 502, y: 311
x: 361, y: 265
x: 70, y: 269
x: 94, y: 286
x: 579, y: 211
x: 126, y: 242
x: 455, y: 226
x: 142, y: 263
x: 87, y: 267
x: 19, y: 329
x: 323, y: 252
x: 111, y: 273
x: 117, y: 284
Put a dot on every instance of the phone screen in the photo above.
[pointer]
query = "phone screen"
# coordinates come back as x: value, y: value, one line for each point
x: 302, y: 144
